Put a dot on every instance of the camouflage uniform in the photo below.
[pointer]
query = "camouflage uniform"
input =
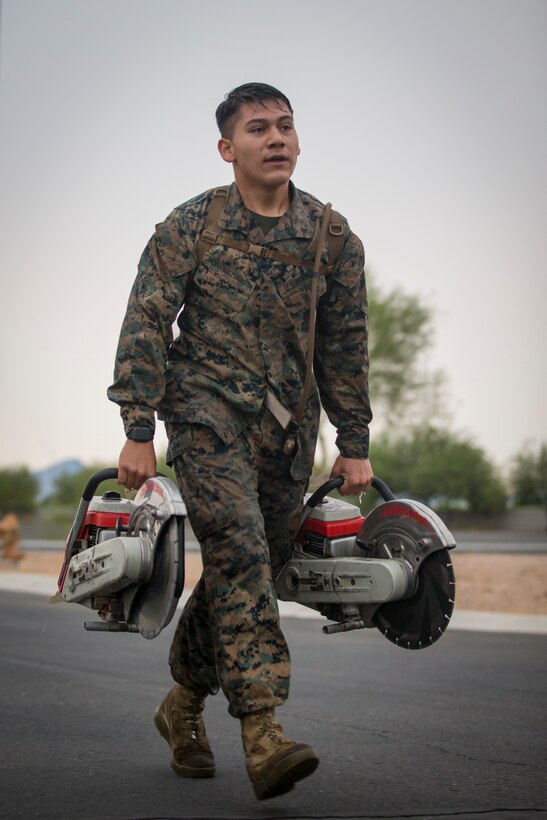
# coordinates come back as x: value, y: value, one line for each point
x: 243, y: 328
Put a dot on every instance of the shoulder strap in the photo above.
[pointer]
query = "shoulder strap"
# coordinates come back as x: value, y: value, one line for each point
x: 335, y: 239
x: 210, y: 236
x: 299, y: 415
x: 210, y: 232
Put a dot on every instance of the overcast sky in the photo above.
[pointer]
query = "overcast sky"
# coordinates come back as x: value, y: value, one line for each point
x: 423, y: 121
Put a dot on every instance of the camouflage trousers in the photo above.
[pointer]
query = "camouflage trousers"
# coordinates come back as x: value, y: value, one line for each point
x: 245, y: 509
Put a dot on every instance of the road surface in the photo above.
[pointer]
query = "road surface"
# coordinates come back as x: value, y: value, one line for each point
x: 454, y: 731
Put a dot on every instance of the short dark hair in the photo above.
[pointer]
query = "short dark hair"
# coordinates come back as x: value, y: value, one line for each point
x: 251, y: 93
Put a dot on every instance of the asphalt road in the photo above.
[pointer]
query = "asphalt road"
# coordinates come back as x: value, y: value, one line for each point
x: 454, y: 731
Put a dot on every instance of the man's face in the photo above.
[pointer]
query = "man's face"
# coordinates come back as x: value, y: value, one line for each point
x: 263, y: 147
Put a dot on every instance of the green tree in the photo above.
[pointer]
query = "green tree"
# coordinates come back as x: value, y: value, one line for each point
x: 529, y: 477
x: 18, y: 490
x: 400, y: 332
x: 440, y: 469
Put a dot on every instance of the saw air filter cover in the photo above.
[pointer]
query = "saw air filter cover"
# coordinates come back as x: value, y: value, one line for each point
x: 333, y: 518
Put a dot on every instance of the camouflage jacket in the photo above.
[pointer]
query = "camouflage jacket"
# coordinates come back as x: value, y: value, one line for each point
x: 243, y: 326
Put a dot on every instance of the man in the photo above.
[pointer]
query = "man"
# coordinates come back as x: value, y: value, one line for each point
x: 243, y: 269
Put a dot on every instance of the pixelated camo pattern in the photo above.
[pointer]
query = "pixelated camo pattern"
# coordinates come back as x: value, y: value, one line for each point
x: 243, y: 326
x: 245, y: 513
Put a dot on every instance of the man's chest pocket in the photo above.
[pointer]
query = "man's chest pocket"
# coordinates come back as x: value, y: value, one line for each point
x: 222, y: 290
x: 297, y: 293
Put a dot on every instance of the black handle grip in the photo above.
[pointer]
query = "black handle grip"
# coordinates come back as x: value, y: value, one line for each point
x: 95, y: 480
x: 98, y: 478
x: 323, y: 490
x: 382, y: 488
x: 333, y: 484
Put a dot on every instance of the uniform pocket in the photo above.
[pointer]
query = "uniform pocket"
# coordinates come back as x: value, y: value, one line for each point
x: 222, y: 289
x: 180, y: 439
x: 297, y: 295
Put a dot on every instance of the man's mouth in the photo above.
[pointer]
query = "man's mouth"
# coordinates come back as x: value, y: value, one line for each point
x: 276, y: 159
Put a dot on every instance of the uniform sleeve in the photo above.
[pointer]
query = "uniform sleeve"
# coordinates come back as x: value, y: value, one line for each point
x: 146, y: 334
x: 341, y: 352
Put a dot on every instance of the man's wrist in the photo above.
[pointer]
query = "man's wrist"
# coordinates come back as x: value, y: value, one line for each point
x: 353, y: 447
x: 142, y: 434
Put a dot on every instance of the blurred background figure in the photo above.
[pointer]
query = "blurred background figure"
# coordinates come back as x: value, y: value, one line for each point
x: 10, y: 537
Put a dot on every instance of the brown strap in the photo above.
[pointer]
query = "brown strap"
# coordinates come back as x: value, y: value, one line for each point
x: 214, y: 212
x: 335, y: 239
x: 292, y: 427
x: 313, y: 306
x: 210, y: 236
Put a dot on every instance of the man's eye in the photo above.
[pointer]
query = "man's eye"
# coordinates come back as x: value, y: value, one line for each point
x: 257, y: 130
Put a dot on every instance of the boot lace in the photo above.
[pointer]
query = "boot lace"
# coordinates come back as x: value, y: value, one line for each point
x: 188, y: 724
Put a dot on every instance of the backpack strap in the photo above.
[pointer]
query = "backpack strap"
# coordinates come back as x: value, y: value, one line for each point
x: 335, y: 239
x: 291, y: 429
x: 209, y: 234
x: 210, y: 237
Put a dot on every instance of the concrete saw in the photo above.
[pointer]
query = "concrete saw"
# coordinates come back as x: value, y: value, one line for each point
x: 390, y: 570
x: 125, y: 559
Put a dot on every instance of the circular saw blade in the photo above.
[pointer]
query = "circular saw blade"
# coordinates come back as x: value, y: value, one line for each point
x: 159, y: 517
x: 419, y: 621
x: 156, y: 600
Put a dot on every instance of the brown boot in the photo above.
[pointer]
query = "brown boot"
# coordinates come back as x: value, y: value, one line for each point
x: 274, y: 763
x: 179, y: 720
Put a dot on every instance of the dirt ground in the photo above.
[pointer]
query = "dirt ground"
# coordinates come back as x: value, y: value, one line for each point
x: 484, y: 582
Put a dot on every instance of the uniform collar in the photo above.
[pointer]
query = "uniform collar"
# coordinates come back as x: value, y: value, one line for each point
x: 295, y: 223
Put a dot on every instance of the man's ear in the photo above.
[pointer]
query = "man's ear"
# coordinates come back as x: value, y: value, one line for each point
x: 225, y: 149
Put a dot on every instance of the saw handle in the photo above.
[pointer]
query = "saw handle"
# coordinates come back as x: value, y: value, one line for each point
x: 318, y: 496
x: 81, y: 512
x: 95, y: 480
x: 382, y: 489
x: 333, y: 484
x: 98, y: 478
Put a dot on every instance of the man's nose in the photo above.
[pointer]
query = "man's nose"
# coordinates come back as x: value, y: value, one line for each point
x: 276, y: 137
